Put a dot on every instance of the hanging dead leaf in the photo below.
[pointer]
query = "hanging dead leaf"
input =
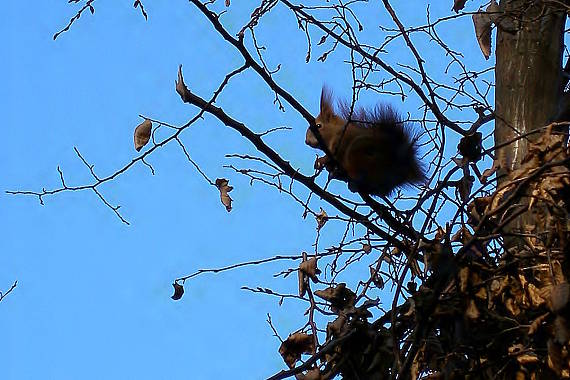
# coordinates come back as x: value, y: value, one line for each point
x: 482, y: 23
x: 322, y: 219
x: 178, y: 291
x: 222, y: 185
x: 458, y: 5
x: 336, y: 327
x: 142, y: 134
x: 377, y: 278
x: 366, y: 248
x: 181, y: 88
x: 494, y: 11
x: 296, y: 345
x: 310, y: 269
x: 339, y: 296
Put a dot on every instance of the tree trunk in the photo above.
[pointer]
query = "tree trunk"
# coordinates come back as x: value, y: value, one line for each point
x: 528, y: 80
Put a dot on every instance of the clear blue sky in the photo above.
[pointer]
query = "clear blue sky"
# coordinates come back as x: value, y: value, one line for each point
x: 93, y: 296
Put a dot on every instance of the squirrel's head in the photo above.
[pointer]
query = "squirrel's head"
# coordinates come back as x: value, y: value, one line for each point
x: 328, y: 123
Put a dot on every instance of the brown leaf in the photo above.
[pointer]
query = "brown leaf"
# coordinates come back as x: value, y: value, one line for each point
x: 142, y: 134
x: 322, y: 219
x: 339, y: 296
x: 178, y: 291
x: 309, y: 268
x: 534, y: 326
x: 336, y: 327
x: 458, y: 5
x: 534, y: 295
x: 376, y: 278
x: 494, y: 11
x: 527, y: 359
x: 181, y: 88
x: 222, y: 185
x: 296, y: 345
x: 482, y: 23
x: 227, y: 3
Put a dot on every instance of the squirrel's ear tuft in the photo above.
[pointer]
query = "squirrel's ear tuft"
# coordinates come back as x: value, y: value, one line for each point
x: 327, y: 110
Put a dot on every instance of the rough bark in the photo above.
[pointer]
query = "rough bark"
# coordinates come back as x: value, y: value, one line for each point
x: 528, y: 77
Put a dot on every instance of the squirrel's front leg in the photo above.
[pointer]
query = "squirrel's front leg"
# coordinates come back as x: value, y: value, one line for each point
x: 321, y: 162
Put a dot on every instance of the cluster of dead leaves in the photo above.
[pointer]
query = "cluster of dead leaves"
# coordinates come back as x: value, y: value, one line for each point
x: 515, y: 305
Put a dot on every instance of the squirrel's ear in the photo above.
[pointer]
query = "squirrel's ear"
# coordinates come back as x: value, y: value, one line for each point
x: 327, y: 110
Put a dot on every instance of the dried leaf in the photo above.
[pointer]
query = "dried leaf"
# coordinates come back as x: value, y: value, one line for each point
x: 336, y: 327
x: 322, y: 219
x: 366, y: 248
x: 377, y: 278
x: 142, y: 134
x: 536, y: 324
x: 309, y: 268
x: 178, y: 291
x: 527, y: 359
x: 482, y: 23
x: 494, y: 11
x: 534, y: 295
x: 296, y: 345
x: 224, y: 188
x: 339, y: 297
x: 181, y: 88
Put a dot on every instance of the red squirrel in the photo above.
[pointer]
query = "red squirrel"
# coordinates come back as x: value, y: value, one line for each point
x: 375, y: 152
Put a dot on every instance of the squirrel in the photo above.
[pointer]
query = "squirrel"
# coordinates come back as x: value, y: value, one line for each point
x: 373, y: 150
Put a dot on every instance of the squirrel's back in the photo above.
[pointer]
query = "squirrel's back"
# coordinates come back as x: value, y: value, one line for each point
x: 376, y: 150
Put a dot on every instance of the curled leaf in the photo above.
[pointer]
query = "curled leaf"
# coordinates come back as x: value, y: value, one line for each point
x: 339, y: 297
x: 376, y: 278
x: 178, y: 291
x: 482, y: 23
x: 142, y: 134
x: 181, y: 88
x: 310, y: 269
x: 296, y: 345
x: 494, y: 11
x: 224, y: 188
x: 322, y: 219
